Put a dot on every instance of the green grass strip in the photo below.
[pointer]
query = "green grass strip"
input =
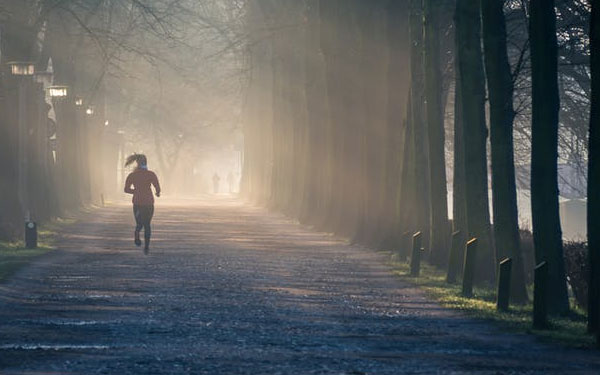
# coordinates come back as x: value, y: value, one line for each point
x: 14, y: 256
x: 570, y: 330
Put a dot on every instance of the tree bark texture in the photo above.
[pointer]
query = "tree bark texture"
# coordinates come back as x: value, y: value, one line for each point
x: 547, y: 235
x: 504, y: 193
x: 472, y: 89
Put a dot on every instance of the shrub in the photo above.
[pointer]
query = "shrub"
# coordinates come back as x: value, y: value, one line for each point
x: 528, y: 253
x: 576, y: 265
x: 577, y: 268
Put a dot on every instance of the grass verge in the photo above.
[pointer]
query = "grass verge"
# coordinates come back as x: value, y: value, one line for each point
x: 569, y: 330
x: 14, y: 256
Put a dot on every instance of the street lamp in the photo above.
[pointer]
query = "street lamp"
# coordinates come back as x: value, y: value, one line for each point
x: 58, y: 91
x: 89, y: 110
x: 21, y: 68
x: 78, y: 102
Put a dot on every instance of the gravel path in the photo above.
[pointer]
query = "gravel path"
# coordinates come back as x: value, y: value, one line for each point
x: 231, y: 289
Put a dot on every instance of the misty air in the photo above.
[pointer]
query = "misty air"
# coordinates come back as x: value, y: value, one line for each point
x: 300, y: 187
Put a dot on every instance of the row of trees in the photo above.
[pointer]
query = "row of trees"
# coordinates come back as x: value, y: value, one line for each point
x: 345, y: 123
x: 45, y: 143
x: 135, y: 73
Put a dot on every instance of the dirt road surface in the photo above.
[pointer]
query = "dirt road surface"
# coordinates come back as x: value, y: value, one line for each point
x: 232, y: 289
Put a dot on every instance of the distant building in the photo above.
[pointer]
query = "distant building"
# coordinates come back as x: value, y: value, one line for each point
x: 571, y: 180
x: 572, y: 200
x: 572, y: 188
x: 573, y: 219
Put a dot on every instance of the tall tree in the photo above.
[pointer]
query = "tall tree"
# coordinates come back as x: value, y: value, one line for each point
x: 372, y: 78
x: 472, y: 89
x: 317, y: 117
x: 435, y: 128
x: 504, y: 192
x: 418, y: 124
x: 593, y: 209
x: 459, y: 205
x: 338, y: 51
x: 258, y: 146
x: 547, y: 234
x: 398, y: 75
x: 19, y: 32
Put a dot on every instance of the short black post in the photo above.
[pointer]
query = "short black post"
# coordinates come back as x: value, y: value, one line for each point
x: 415, y: 257
x: 455, y: 259
x: 404, y: 246
x: 503, y: 293
x: 469, y: 267
x: 31, y: 237
x: 540, y: 296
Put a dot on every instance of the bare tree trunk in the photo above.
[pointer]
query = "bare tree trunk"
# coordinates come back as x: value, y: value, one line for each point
x: 593, y: 209
x: 327, y: 141
x: 459, y: 204
x: 317, y: 116
x: 329, y: 40
x: 398, y: 72
x: 10, y: 209
x: 408, y: 188
x: 18, y: 43
x: 435, y: 126
x: 547, y: 235
x: 296, y: 36
x: 500, y: 88
x: 372, y: 58
x: 338, y: 42
x: 354, y: 117
x: 472, y: 89
x: 418, y: 125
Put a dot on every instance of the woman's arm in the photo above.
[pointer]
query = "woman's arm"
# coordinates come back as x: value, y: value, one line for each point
x: 128, y: 184
x: 156, y: 184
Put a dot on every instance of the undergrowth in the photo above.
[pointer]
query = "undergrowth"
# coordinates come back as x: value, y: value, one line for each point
x: 14, y: 255
x: 570, y: 330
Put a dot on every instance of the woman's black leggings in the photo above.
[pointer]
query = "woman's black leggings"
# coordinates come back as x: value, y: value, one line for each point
x: 143, y: 217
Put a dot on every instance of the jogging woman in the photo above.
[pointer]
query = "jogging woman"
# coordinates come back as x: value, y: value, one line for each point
x: 143, y: 200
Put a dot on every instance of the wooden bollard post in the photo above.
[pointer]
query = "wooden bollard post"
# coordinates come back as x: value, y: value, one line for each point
x: 404, y: 246
x: 540, y: 296
x: 503, y: 293
x: 469, y: 267
x: 31, y: 235
x: 415, y: 257
x: 455, y: 259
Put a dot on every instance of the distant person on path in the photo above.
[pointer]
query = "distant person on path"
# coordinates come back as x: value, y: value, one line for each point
x: 143, y: 201
x: 230, y: 181
x: 216, y: 180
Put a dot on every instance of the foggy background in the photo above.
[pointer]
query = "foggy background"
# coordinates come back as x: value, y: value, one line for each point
x: 176, y: 80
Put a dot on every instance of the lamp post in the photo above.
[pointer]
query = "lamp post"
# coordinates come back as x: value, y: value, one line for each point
x: 69, y: 144
x: 57, y: 93
x: 83, y: 149
x: 21, y: 70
